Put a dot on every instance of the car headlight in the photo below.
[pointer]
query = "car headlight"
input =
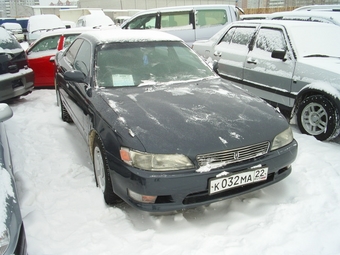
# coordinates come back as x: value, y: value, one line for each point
x: 155, y: 162
x: 4, y: 241
x: 282, y: 139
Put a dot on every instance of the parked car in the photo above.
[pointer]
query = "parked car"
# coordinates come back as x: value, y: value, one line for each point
x: 12, y: 230
x: 291, y: 64
x: 315, y: 16
x: 164, y: 131
x: 94, y: 20
x: 39, y: 24
x: 190, y: 23
x: 15, y: 28
x: 16, y: 79
x: 41, y: 53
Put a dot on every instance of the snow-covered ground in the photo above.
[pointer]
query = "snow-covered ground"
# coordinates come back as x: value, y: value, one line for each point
x: 64, y: 212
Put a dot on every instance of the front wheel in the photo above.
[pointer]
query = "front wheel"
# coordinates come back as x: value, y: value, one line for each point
x: 101, y: 172
x: 318, y: 117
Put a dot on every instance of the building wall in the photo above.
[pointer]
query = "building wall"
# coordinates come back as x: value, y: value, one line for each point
x: 146, y: 4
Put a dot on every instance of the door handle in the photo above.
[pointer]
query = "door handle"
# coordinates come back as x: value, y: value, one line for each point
x: 251, y: 61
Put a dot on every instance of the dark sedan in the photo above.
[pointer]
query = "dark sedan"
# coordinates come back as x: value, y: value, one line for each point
x: 164, y: 131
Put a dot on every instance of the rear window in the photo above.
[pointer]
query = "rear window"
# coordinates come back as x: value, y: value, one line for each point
x: 7, y: 41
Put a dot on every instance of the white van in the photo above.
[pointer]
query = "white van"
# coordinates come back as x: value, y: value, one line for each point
x: 191, y: 23
x: 94, y: 20
x: 39, y: 24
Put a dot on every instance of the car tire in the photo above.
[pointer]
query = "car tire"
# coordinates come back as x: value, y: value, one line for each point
x: 101, y: 173
x: 65, y: 116
x: 318, y: 117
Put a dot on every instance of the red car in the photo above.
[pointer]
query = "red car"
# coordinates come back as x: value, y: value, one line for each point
x: 44, y: 48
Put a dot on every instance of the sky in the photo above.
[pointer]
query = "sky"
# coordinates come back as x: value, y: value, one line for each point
x: 64, y: 212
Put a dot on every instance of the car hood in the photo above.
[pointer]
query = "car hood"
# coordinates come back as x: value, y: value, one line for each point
x: 196, y: 117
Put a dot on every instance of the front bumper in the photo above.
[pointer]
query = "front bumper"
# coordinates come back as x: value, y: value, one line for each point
x: 179, y: 190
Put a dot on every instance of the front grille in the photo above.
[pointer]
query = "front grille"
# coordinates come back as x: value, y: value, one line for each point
x: 234, y: 155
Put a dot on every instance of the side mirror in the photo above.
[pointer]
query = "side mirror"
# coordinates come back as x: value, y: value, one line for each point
x: 75, y: 76
x: 5, y: 112
x: 279, y: 54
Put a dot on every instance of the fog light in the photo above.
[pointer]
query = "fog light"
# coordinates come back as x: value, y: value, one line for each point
x: 142, y: 198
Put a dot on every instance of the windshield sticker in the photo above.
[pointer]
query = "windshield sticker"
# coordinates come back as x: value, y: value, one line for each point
x: 121, y: 80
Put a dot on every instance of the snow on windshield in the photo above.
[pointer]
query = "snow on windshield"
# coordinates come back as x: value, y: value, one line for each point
x: 311, y: 40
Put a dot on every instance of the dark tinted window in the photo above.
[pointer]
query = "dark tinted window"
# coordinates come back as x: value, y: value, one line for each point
x: 73, y: 50
x: 147, y: 63
x: 83, y: 58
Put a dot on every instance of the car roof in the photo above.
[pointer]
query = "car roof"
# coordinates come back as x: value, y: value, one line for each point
x: 186, y: 7
x: 286, y: 23
x: 68, y: 31
x: 317, y: 7
x: 123, y: 35
x: 331, y: 17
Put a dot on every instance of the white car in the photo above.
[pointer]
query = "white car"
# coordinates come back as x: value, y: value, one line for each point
x: 315, y: 16
x: 291, y: 64
x: 15, y: 29
x: 39, y: 24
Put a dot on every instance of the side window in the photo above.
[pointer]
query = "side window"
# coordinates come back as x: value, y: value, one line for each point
x: 83, y: 59
x: 270, y: 39
x: 49, y: 43
x: 143, y: 22
x: 242, y: 35
x: 175, y: 19
x: 208, y: 18
x: 69, y: 39
x: 238, y: 36
x: 227, y: 37
x: 73, y: 50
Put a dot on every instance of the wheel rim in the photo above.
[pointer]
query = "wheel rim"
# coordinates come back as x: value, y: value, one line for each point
x: 314, y: 119
x: 99, y: 168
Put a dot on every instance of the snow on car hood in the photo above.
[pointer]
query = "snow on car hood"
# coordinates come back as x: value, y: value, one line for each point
x: 206, y: 116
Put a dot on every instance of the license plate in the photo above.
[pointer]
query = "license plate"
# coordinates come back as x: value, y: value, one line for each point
x: 228, y: 182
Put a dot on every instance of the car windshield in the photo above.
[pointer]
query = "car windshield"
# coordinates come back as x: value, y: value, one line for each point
x: 148, y: 63
x: 312, y: 41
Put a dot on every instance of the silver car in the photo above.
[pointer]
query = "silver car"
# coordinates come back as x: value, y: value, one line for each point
x: 291, y: 64
x: 12, y: 232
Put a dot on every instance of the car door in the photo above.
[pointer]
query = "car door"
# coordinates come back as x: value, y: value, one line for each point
x: 265, y: 75
x: 78, y: 57
x: 38, y: 57
x: 232, y: 51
